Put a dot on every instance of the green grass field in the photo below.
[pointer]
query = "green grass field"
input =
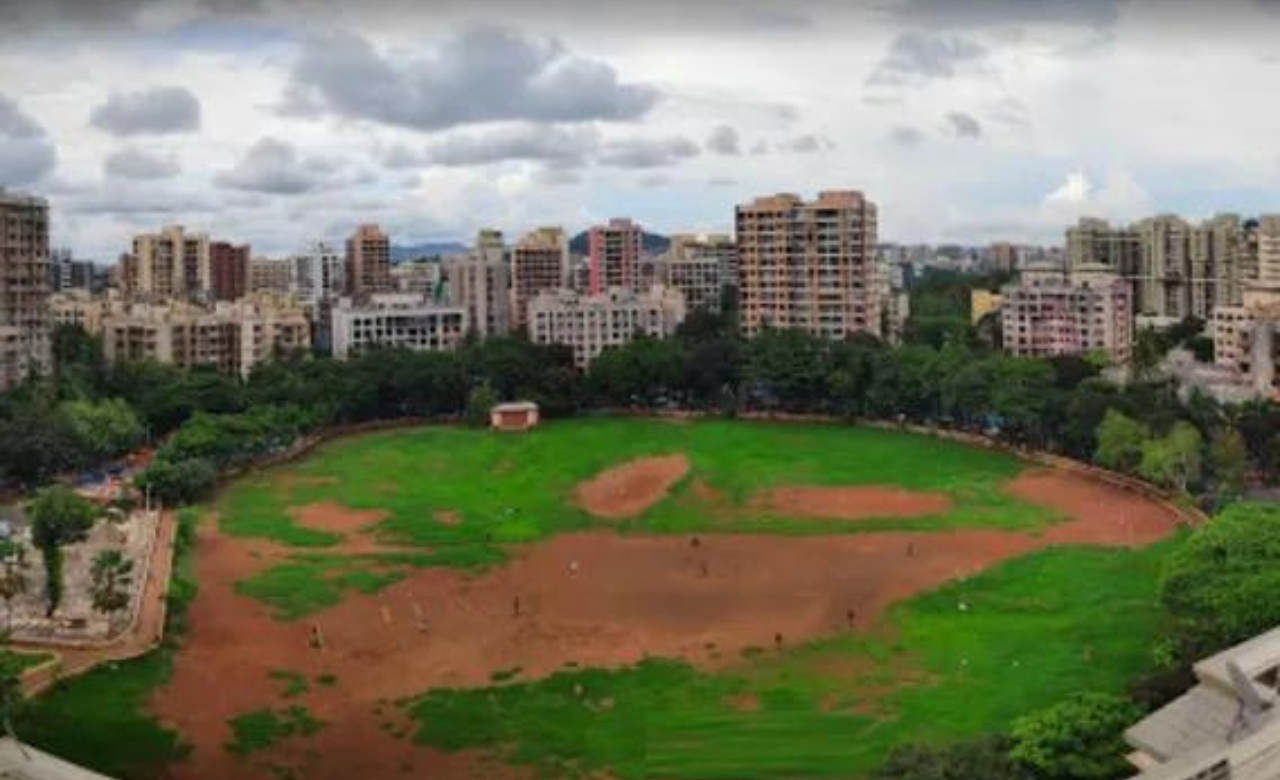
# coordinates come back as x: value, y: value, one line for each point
x: 517, y: 489
x: 833, y: 708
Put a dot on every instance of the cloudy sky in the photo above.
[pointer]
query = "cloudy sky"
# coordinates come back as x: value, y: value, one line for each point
x: 281, y: 121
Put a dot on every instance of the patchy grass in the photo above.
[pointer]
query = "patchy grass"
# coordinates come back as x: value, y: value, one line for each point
x: 260, y: 729
x: 934, y: 672
x: 294, y: 683
x: 506, y: 490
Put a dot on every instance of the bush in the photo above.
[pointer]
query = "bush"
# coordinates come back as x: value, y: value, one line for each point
x: 981, y: 759
x: 1078, y: 739
x: 176, y: 484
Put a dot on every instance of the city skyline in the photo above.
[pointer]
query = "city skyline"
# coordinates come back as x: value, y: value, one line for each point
x: 276, y: 122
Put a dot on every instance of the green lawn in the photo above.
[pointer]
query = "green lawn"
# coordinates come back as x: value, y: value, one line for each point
x: 1027, y: 636
x: 517, y: 488
x: 260, y: 729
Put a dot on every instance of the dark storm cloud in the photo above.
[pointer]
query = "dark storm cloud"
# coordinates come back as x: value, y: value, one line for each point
x: 563, y: 146
x: 724, y: 140
x: 20, y: 16
x: 916, y: 56
x: 485, y: 74
x: 648, y: 152
x: 964, y: 125
x: 26, y: 153
x: 988, y: 13
x: 156, y: 111
x: 140, y: 165
x: 274, y: 167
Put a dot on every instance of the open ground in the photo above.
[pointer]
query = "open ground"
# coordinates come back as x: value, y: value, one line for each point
x: 713, y: 600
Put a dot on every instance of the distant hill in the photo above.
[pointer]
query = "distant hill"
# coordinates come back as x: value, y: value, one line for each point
x: 654, y: 244
x: 406, y: 252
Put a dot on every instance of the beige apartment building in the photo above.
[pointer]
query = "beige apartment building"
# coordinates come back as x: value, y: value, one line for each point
x: 1047, y: 317
x: 395, y: 320
x: 25, y: 324
x: 1177, y: 268
x: 614, y: 253
x: 481, y: 283
x: 172, y: 263
x: 539, y: 263
x: 590, y: 324
x: 809, y: 264
x: 1245, y: 337
x: 700, y: 267
x: 84, y: 309
x: 233, y: 337
x: 368, y: 261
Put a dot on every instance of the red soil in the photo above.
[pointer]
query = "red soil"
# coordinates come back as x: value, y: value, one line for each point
x: 629, y: 489
x: 336, y: 518
x: 852, y: 503
x: 593, y: 598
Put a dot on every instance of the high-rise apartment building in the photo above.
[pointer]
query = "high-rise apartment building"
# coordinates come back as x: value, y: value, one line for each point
x: 67, y: 273
x: 539, y: 263
x: 481, y: 283
x: 700, y: 268
x: 613, y: 255
x: 368, y: 261
x: 169, y: 264
x: 228, y: 271
x: 590, y: 324
x: 25, y: 324
x: 809, y: 265
x: 317, y: 275
x: 1246, y: 337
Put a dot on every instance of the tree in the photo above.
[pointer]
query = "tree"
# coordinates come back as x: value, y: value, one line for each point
x: 180, y: 482
x: 1174, y: 460
x: 13, y: 576
x: 480, y: 402
x: 980, y: 759
x: 1219, y: 587
x: 1120, y: 442
x: 104, y: 429
x: 59, y: 517
x: 112, y: 575
x: 1079, y: 738
x: 1230, y: 461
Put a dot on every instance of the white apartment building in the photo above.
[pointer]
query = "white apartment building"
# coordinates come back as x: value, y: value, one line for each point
x: 317, y: 275
x: 590, y: 324
x: 395, y: 320
x: 1091, y: 312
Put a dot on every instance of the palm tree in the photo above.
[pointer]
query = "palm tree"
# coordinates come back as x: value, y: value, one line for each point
x: 112, y: 575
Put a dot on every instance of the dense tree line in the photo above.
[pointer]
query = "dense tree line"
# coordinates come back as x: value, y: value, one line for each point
x: 87, y: 412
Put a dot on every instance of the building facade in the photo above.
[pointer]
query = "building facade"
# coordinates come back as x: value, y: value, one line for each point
x: 25, y: 323
x: 271, y: 274
x: 590, y: 324
x: 395, y: 320
x: 809, y: 264
x: 317, y: 275
x: 368, y: 261
x: 539, y: 263
x: 481, y: 284
x: 170, y: 264
x: 67, y: 273
x: 613, y: 256
x: 700, y: 268
x: 1093, y: 312
x: 232, y: 337
x: 228, y: 271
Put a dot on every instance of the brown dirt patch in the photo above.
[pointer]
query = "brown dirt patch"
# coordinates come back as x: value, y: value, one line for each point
x: 447, y: 517
x: 1100, y: 513
x: 335, y: 518
x: 628, y: 490
x: 851, y: 503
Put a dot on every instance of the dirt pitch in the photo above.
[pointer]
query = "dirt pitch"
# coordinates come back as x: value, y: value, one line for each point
x: 852, y: 503
x: 596, y: 599
x: 627, y: 490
